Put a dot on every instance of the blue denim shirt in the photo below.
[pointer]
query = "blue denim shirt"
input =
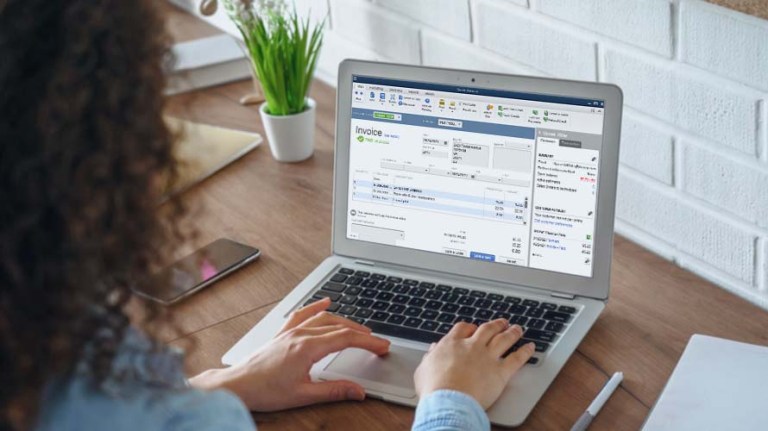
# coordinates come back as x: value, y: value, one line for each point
x: 149, y: 393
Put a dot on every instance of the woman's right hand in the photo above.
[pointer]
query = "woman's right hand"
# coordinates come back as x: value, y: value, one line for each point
x: 468, y: 359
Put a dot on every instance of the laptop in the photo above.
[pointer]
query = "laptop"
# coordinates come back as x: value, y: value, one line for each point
x: 463, y: 196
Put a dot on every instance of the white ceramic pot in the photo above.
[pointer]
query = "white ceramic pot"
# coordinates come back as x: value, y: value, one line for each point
x: 291, y: 137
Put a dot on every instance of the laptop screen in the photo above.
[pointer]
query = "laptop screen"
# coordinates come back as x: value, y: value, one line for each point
x: 504, y: 177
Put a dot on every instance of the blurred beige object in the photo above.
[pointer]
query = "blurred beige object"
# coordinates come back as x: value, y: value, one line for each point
x: 203, y: 150
x: 208, y: 7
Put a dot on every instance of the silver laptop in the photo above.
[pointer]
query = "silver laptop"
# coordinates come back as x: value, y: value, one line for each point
x: 463, y: 196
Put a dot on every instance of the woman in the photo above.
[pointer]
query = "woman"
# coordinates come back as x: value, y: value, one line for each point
x: 84, y: 154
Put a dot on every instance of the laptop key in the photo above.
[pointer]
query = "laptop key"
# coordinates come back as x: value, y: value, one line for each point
x: 555, y: 327
x: 353, y: 290
x: 380, y: 315
x: 433, y: 294
x: 384, y: 296
x: 364, y: 302
x: 401, y: 288
x: 378, y: 277
x: 530, y: 303
x: 450, y: 297
x: 534, y: 312
x: 364, y: 274
x: 534, y: 334
x: 354, y: 281
x: 339, y: 278
x: 417, y: 302
x: 309, y: 301
x: 444, y: 328
x: 484, y: 314
x: 396, y: 319
x: 429, y: 325
x: 320, y: 294
x: 467, y: 300
x: 495, y: 297
x: 380, y: 305
x: 449, y: 308
x: 359, y: 320
x: 567, y: 309
x: 386, y: 286
x: 363, y: 312
x: 512, y: 299
x: 429, y: 314
x: 557, y: 316
x: 396, y: 308
x: 501, y: 315
x: 443, y: 288
x: 477, y: 294
x: 517, y: 309
x: 464, y: 319
x: 394, y: 279
x: 413, y: 322
x: 403, y: 332
x: 479, y: 322
x: 433, y: 305
x: 346, y: 271
x: 427, y: 285
x: 518, y: 320
x: 412, y: 311
x: 460, y: 291
x: 548, y: 306
x: 334, y: 287
x: 537, y: 324
x: 370, y: 283
x: 467, y: 311
x: 348, y: 299
x: 483, y: 303
x: 533, y: 360
x: 417, y: 291
x: 400, y: 299
x: 500, y: 306
x: 446, y: 317
x: 409, y: 282
x: 333, y: 307
x: 348, y: 309
x: 369, y: 293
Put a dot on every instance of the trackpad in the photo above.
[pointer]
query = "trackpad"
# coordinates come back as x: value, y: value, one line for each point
x: 392, y: 374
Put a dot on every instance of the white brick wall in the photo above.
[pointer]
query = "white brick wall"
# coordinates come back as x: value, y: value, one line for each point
x: 694, y: 161
x: 377, y: 29
x: 677, y: 222
x: 449, y: 16
x: 531, y: 39
x: 679, y: 96
x: 646, y: 148
x: 728, y: 183
x: 646, y: 23
x: 739, y: 50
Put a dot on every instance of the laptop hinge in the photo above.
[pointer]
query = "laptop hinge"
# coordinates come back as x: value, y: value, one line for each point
x: 562, y: 295
x: 365, y: 262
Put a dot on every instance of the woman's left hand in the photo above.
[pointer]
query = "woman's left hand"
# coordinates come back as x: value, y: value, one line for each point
x: 277, y: 376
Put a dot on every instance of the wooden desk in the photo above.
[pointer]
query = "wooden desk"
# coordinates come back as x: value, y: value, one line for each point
x: 285, y: 209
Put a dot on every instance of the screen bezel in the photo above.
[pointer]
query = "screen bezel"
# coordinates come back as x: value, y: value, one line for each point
x: 596, y: 286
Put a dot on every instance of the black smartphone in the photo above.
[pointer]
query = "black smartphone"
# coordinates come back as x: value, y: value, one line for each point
x: 197, y: 271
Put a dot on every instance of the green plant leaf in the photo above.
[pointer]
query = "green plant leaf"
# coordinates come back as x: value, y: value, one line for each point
x: 283, y: 52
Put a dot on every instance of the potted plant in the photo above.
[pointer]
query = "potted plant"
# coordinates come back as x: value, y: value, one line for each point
x: 283, y: 50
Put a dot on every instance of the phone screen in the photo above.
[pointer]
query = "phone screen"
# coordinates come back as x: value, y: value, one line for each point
x: 197, y: 268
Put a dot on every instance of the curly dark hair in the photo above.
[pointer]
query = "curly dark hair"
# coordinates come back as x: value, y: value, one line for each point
x: 83, y: 152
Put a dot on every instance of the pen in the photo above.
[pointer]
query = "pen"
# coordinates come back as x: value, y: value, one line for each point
x: 597, y: 404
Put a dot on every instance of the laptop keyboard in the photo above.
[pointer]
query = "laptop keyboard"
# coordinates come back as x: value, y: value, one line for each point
x: 423, y: 311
